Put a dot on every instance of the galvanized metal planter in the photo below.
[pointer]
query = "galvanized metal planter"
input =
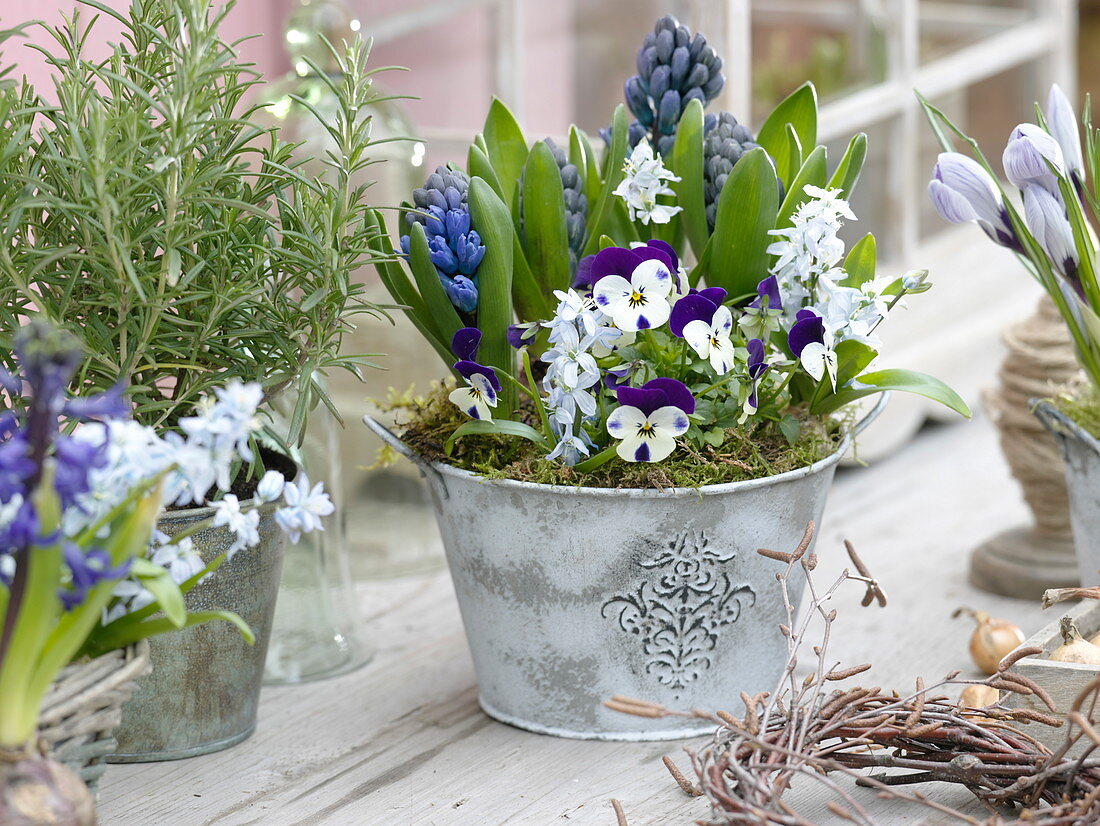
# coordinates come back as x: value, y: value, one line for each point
x: 1081, y: 453
x: 205, y: 687
x: 571, y: 595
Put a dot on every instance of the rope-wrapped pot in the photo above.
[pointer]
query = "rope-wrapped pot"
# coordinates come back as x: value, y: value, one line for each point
x: 84, y: 706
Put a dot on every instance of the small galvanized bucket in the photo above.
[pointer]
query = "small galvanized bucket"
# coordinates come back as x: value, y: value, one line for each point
x: 205, y: 687
x: 1081, y: 453
x: 571, y: 595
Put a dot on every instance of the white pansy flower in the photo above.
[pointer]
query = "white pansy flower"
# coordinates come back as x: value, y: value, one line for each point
x: 640, y: 303
x: 646, y: 437
x: 711, y: 340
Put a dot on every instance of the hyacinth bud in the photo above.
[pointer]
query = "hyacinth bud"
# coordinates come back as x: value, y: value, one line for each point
x: 724, y: 143
x: 961, y: 190
x: 674, y: 68
x: 1046, y: 218
x: 1062, y: 122
x: 1026, y: 158
x: 462, y: 292
x: 443, y: 257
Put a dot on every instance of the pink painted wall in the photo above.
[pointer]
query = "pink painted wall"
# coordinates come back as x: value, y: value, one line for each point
x: 450, y: 70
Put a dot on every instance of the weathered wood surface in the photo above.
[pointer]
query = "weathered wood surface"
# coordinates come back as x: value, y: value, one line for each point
x: 403, y: 742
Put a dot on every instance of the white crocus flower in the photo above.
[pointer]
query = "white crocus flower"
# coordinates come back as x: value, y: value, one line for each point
x: 711, y: 340
x: 644, y: 178
x: 646, y: 438
x: 1062, y: 122
x: 640, y: 303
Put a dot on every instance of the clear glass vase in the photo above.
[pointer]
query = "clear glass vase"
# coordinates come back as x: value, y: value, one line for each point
x: 383, y: 524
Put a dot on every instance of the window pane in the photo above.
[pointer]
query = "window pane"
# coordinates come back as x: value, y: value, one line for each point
x: 949, y: 25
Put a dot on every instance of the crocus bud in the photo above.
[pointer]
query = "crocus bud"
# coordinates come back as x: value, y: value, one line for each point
x: 1046, y: 218
x: 961, y: 190
x: 1026, y: 158
x: 1062, y: 122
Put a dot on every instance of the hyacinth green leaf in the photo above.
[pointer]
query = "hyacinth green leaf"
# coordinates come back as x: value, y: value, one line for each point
x: 600, y: 216
x: 477, y: 164
x: 621, y: 227
x: 852, y: 358
x: 847, y: 171
x: 687, y: 164
x: 545, y: 236
x: 158, y: 581
x: 860, y: 262
x: 401, y: 290
x: 479, y: 142
x: 908, y: 381
x: 593, y: 183
x: 531, y: 304
x: 431, y: 290
x: 578, y: 151
x: 496, y: 427
x: 812, y: 173
x: 490, y: 217
x: 747, y: 208
x: 504, y: 143
x: 671, y: 233
x: 799, y: 110
x: 794, y: 156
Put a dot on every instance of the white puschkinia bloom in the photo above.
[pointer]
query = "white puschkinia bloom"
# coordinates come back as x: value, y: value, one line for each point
x: 644, y: 178
x: 640, y: 303
x: 576, y: 328
x: 244, y: 525
x: 810, y: 247
x: 646, y: 437
x: 271, y: 486
x: 849, y: 312
x: 711, y: 340
x: 304, y: 508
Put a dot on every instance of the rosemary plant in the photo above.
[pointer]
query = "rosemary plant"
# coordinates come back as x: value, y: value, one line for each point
x: 150, y: 214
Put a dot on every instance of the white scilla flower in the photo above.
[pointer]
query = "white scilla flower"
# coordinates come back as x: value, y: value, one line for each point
x: 271, y: 486
x: 644, y: 178
x: 244, y: 525
x: 305, y: 506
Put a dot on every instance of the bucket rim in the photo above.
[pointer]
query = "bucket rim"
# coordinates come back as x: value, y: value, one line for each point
x: 443, y: 469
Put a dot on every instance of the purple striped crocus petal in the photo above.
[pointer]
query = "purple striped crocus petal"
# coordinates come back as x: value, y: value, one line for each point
x: 644, y: 398
x: 690, y: 308
x: 809, y: 329
x: 614, y: 261
x: 676, y: 392
x: 465, y: 342
x: 715, y: 294
x: 467, y: 369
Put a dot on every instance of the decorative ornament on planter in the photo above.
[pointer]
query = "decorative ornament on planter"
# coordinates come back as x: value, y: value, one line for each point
x: 213, y: 269
x: 1057, y: 244
x: 644, y: 424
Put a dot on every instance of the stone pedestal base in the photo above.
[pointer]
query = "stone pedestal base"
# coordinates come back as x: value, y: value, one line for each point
x: 1023, y: 563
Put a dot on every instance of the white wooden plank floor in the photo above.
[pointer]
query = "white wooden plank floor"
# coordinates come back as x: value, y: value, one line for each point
x: 402, y: 741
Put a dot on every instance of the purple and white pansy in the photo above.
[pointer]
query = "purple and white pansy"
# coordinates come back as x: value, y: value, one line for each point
x: 634, y: 291
x: 479, y: 397
x: 757, y: 366
x: 811, y: 342
x: 649, y: 418
x: 705, y: 323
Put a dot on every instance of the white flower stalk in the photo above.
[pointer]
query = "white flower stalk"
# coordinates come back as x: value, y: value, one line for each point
x: 644, y: 178
x: 809, y: 248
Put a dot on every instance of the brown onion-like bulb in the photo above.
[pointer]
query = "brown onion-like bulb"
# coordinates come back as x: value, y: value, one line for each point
x: 992, y: 640
x: 1074, y: 647
x: 978, y: 696
x: 38, y: 791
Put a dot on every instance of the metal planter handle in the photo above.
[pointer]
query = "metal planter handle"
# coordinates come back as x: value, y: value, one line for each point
x: 427, y: 470
x: 871, y: 414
